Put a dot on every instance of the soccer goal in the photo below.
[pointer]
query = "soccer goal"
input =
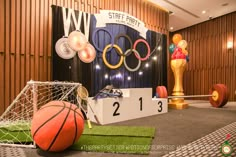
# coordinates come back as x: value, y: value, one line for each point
x: 16, y: 120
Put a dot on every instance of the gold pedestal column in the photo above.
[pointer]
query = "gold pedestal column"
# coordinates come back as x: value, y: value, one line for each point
x: 178, y: 66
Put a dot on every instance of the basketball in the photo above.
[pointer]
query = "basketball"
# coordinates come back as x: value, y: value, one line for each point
x: 57, y: 125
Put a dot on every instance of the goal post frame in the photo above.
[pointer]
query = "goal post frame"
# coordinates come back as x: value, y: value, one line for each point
x: 30, y: 95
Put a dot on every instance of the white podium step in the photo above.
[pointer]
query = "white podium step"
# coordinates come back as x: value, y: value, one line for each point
x: 135, y: 103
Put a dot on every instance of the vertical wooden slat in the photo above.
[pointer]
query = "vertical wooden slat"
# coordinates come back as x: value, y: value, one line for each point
x: 42, y: 28
x: 18, y: 43
x: 138, y: 9
x: 2, y: 92
x: 22, y: 72
x: 23, y: 27
x: 37, y: 41
x: 49, y: 29
x: 2, y: 24
x: 101, y: 2
x: 49, y: 69
x: 134, y: 8
x: 41, y: 66
x: 32, y: 27
x: 27, y: 25
x: 46, y: 11
x: 7, y: 54
x: 13, y: 26
x: 12, y: 77
x: 126, y: 7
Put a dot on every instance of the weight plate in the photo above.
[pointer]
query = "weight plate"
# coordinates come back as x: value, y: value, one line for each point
x: 226, y: 91
x: 220, y: 92
x: 165, y: 92
x: 161, y: 92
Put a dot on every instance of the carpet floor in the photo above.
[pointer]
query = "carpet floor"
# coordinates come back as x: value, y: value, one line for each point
x: 173, y: 129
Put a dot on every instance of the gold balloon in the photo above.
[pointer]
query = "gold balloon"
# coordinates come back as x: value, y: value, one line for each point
x: 77, y: 40
x: 185, y: 52
x: 182, y: 44
x: 88, y: 54
x: 176, y: 38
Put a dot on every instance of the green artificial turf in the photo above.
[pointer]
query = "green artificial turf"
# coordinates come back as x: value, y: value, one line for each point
x: 120, y: 130
x: 114, y: 139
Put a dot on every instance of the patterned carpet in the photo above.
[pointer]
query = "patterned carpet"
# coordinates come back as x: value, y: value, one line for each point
x: 209, y: 145
x: 11, y: 152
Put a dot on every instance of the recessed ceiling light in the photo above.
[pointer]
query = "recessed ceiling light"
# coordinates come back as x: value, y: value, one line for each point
x: 204, y: 12
x: 171, y: 12
x: 225, y: 4
x: 171, y: 28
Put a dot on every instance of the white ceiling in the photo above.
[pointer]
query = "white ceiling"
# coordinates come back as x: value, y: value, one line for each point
x: 189, y: 12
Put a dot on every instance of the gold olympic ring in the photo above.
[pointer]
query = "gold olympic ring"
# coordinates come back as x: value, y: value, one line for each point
x: 119, y: 52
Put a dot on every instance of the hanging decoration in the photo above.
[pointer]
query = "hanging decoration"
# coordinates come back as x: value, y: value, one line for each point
x: 77, y: 41
x: 87, y: 54
x: 62, y: 48
x: 121, y: 51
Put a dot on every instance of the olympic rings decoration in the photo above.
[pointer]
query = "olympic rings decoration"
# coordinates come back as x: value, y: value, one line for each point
x: 129, y: 51
x: 105, y: 60
x: 93, y: 38
x: 122, y: 54
x: 148, y: 47
x: 127, y: 37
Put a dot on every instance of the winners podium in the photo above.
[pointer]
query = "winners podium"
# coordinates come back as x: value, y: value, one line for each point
x: 135, y: 103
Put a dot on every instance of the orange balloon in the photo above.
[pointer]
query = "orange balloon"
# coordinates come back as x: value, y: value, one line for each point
x: 176, y: 38
x: 88, y: 54
x: 77, y: 40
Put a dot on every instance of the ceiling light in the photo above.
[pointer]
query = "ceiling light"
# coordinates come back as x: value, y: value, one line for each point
x: 204, y: 12
x: 171, y: 13
x: 140, y: 73
x: 128, y: 78
x: 225, y: 4
x: 171, y: 28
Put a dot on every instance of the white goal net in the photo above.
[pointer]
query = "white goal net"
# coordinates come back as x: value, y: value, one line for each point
x: 16, y: 120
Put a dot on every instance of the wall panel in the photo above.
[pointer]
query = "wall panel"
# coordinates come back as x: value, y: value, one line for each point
x: 210, y: 60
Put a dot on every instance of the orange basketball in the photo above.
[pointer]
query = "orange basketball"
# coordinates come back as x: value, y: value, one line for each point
x: 57, y: 125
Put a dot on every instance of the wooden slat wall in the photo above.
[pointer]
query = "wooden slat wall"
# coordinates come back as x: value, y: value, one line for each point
x: 26, y: 29
x: 210, y: 61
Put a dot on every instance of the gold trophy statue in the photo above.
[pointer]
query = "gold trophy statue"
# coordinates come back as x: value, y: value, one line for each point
x: 178, y: 64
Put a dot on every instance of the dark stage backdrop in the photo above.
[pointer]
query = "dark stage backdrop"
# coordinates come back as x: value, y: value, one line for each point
x: 94, y: 79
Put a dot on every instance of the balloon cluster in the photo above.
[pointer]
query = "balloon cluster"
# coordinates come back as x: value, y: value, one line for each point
x: 78, y: 42
x: 178, y: 48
